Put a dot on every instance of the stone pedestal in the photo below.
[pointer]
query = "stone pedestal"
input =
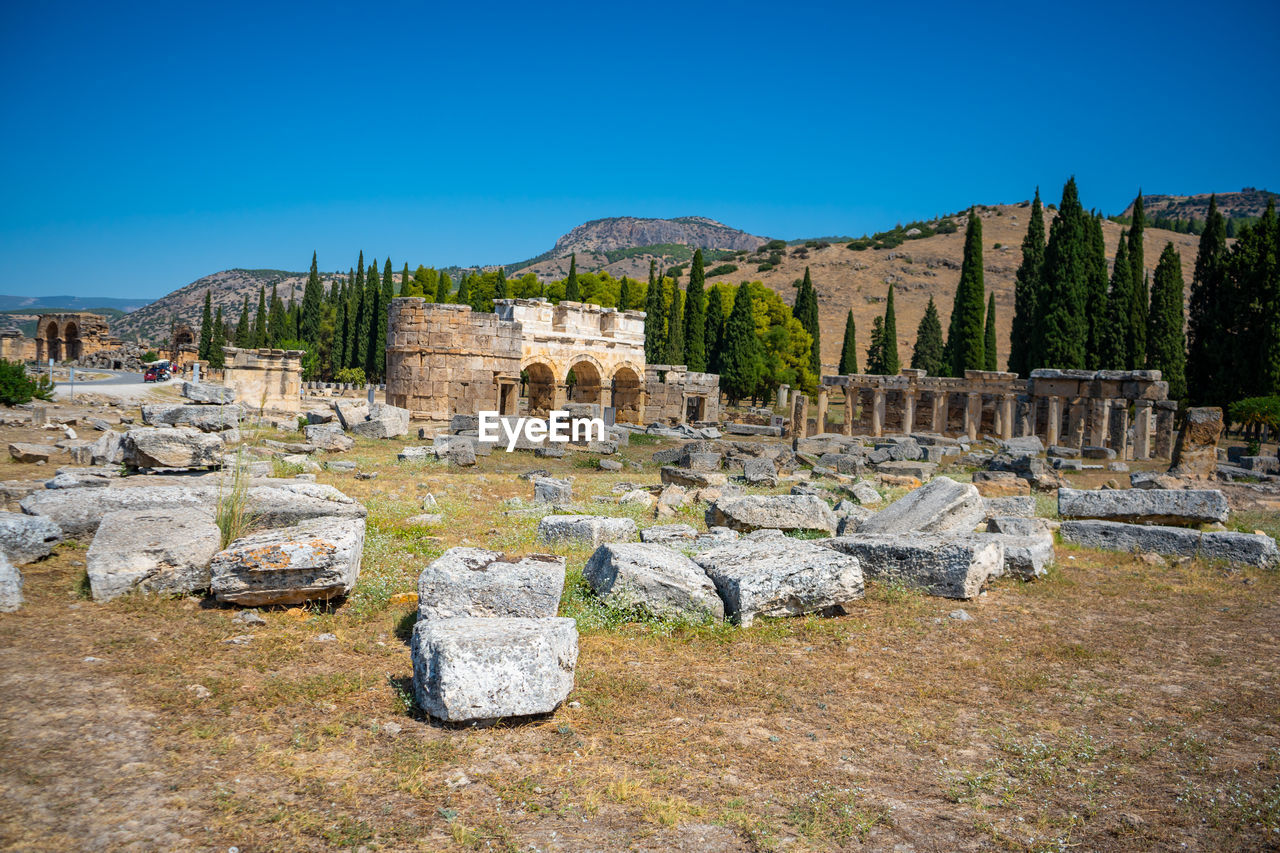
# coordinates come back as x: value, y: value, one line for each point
x: 1119, y: 425
x: 1166, y: 411
x: 822, y: 408
x: 877, y: 412
x: 1141, y: 429
x: 799, y: 415
x: 908, y: 411
x: 1098, y: 418
x: 783, y: 393
x: 1005, y: 416
x: 850, y: 410
x: 1075, y: 423
x: 939, y: 412
x: 1053, y: 421
x: 1196, y: 453
x: 972, y: 414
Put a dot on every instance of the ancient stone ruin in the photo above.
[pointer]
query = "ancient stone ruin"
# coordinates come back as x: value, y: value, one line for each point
x: 265, y: 379
x: 71, y: 336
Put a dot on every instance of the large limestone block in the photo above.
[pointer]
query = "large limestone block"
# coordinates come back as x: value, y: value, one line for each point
x: 1023, y: 506
x: 949, y: 566
x: 475, y: 582
x: 692, y: 479
x: 1181, y: 507
x: 1253, y: 549
x: 384, y: 421
x: 939, y: 506
x: 108, y: 449
x: 759, y: 471
x: 788, y: 513
x: 27, y: 538
x: 480, y: 670
x: 653, y: 577
x: 1026, y: 556
x: 552, y: 490
x: 203, y: 392
x: 318, y: 559
x: 289, y: 502
x: 594, y: 530
x: 201, y: 417
x: 351, y: 412
x: 1016, y: 525
x: 158, y: 550
x: 329, y: 437
x: 10, y: 586
x: 23, y: 451
x: 775, y: 575
x: 163, y: 447
x: 1195, y: 455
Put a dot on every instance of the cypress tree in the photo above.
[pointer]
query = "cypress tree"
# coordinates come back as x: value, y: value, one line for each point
x: 1115, y: 333
x: 928, y: 352
x: 275, y: 319
x: 1096, y: 300
x: 655, y: 320
x: 384, y: 313
x: 1166, y: 338
x: 1255, y: 273
x: 990, y: 360
x: 572, y: 293
x: 965, y: 334
x: 1063, y: 334
x: 805, y: 310
x: 624, y: 294
x: 244, y: 329
x: 444, y: 287
x: 743, y: 361
x: 404, y: 280
x: 1026, y: 294
x: 500, y: 286
x: 360, y: 300
x: 1140, y: 303
x: 695, y: 317
x: 219, y: 341
x: 715, y: 330
x: 355, y: 320
x: 675, y: 325
x: 875, y: 352
x: 849, y: 349
x: 206, y: 328
x: 338, y: 354
x: 260, y: 321
x: 372, y: 292
x: 464, y: 290
x: 1209, y: 321
x: 889, y: 341
x: 312, y: 301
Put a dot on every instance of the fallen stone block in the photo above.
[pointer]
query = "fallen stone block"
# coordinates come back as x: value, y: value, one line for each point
x: 1095, y: 452
x: 922, y: 471
x: 383, y: 421
x: 865, y: 494
x: 350, y: 412
x: 1019, y: 526
x: 1024, y: 445
x: 316, y: 560
x: 1253, y: 549
x: 949, y: 566
x: 481, y: 670
x: 753, y: 429
x: 775, y: 575
x: 474, y: 582
x: 205, y: 418
x: 674, y: 476
x: 10, y: 586
x: 1059, y: 451
x: 1145, y: 506
x: 1026, y: 556
x: 552, y: 490
x: 158, y: 550
x: 593, y: 530
x: 23, y: 451
x: 610, y: 465
x: 788, y: 513
x: 1024, y: 506
x: 939, y: 506
x: 654, y: 578
x: 108, y: 449
x: 1195, y: 454
x: 174, y: 448
x: 759, y: 471
x: 206, y: 392
x: 328, y: 437
x: 1009, y: 487
x: 27, y: 538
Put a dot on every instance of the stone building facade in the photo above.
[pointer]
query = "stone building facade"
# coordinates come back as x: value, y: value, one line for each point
x: 184, y: 345
x: 268, y: 380
x: 445, y: 359
x: 1127, y: 411
x: 70, y: 336
x: 14, y: 346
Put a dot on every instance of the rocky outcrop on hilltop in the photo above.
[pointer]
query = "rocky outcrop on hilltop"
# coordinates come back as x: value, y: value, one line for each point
x: 626, y: 232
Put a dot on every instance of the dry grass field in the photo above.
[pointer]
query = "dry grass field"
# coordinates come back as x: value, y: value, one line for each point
x: 1115, y: 705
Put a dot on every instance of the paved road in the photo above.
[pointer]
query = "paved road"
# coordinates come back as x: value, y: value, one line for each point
x: 121, y: 383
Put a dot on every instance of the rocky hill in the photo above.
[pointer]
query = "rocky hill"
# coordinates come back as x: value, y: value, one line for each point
x: 627, y: 232
x: 1249, y: 202
x: 151, y: 323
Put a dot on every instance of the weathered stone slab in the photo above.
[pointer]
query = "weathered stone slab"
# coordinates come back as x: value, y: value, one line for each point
x: 753, y: 429
x: 27, y: 538
x: 939, y: 506
x: 177, y: 448
x: 316, y: 560
x: 1145, y: 506
x: 1026, y: 556
x: 350, y: 412
x: 1195, y: 455
x: 779, y: 576
x: 159, y: 550
x: 922, y: 471
x: 10, y: 586
x: 673, y: 476
x: 654, y: 578
x: 1014, y: 525
x: 204, y: 392
x: 474, y: 582
x: 383, y: 421
x: 329, y: 437
x: 1024, y: 445
x: 1009, y: 487
x: 205, y: 418
x: 788, y: 513
x: 481, y: 670
x: 1252, y: 549
x: 23, y: 451
x: 552, y: 490
x: 1024, y: 506
x: 594, y: 530
x: 685, y: 538
x: 949, y: 566
x: 108, y: 449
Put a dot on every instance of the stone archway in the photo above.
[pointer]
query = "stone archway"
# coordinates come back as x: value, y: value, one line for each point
x: 585, y: 386
x: 627, y: 397
x: 540, y: 388
x: 71, y: 341
x: 52, y: 343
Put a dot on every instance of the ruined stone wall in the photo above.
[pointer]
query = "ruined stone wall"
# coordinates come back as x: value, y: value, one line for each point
x: 674, y: 394
x: 446, y: 359
x: 73, y: 335
x: 15, y: 347
x: 265, y: 379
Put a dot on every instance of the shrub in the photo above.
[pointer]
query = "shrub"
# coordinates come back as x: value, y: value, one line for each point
x: 773, y: 246
x: 150, y: 356
x: 17, y: 387
x: 353, y: 375
x: 723, y: 269
x: 1256, y: 410
x: 765, y: 267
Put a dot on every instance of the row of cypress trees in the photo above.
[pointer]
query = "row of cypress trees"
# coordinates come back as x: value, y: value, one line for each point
x: 676, y: 328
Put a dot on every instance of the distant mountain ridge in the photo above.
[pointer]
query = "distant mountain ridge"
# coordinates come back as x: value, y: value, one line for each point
x: 628, y: 232
x: 69, y: 303
x: 1249, y: 202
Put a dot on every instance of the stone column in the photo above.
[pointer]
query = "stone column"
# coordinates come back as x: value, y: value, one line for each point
x: 560, y: 396
x: 972, y: 414
x: 1165, y: 412
x: 799, y: 415
x: 782, y: 395
x: 1119, y: 424
x: 1141, y: 429
x: 1098, y: 412
x: 1075, y: 423
x: 822, y: 408
x: 850, y: 409
x: 1027, y: 415
x: 939, y: 404
x: 908, y: 411
x: 877, y: 412
x: 1006, y: 410
x: 1054, y: 422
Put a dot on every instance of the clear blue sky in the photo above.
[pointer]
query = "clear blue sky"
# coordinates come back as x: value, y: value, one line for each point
x: 145, y: 145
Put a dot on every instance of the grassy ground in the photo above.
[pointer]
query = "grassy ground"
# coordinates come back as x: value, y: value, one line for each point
x: 1112, y: 705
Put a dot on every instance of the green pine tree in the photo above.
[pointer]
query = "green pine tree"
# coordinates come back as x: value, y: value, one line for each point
x: 655, y: 320
x: 1137, y: 345
x: 260, y: 321
x: 675, y: 325
x: 849, y: 349
x: 1115, y: 333
x: 206, y: 327
x: 500, y: 284
x: 625, y: 294
x: 889, y: 341
x: 875, y: 352
x: 1209, y: 318
x: 384, y: 312
x: 312, y: 300
x: 216, y: 359
x: 743, y: 360
x: 1166, y: 337
x: 1096, y: 298
x: 695, y: 317
x: 1063, y: 333
x: 1026, y: 294
x: 360, y: 301
x: 991, y: 360
x: 444, y: 288
x: 277, y: 320
x: 372, y: 295
x: 715, y: 330
x: 572, y: 293
x: 338, y: 352
x: 1255, y: 272
x: 805, y: 310
x: 964, y: 345
x: 404, y: 281
x: 244, y: 329
x: 464, y: 290
x: 928, y: 352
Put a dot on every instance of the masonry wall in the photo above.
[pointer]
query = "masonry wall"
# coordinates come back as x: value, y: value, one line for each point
x: 670, y: 387
x: 265, y: 379
x: 15, y: 347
